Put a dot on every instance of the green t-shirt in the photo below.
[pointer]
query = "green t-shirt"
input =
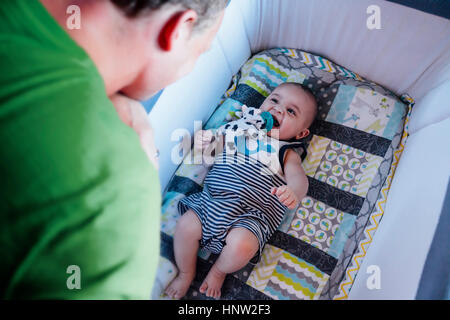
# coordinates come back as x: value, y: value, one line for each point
x: 76, y: 187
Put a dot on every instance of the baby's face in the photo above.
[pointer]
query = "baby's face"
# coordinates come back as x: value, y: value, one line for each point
x: 292, y: 109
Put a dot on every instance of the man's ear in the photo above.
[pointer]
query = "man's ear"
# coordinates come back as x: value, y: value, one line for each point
x: 302, y: 134
x: 177, y: 27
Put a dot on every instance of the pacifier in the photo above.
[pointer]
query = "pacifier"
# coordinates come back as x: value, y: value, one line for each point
x: 268, y: 120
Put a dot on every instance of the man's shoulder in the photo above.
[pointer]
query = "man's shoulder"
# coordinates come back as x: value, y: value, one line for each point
x: 64, y: 130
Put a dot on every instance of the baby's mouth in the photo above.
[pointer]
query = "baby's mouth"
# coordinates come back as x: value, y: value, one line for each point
x: 276, y: 124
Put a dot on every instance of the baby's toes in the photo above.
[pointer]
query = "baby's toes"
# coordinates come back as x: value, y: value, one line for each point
x: 210, y: 293
x: 169, y: 292
x: 204, y: 287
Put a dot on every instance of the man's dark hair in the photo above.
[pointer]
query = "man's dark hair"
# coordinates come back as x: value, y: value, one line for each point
x: 207, y: 10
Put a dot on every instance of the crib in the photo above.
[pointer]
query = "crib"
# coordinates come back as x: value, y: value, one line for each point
x: 409, y: 51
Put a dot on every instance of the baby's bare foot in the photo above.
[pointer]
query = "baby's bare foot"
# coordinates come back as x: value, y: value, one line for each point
x: 213, y: 283
x: 179, y: 286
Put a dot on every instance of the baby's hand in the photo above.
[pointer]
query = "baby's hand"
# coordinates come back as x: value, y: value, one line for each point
x: 286, y: 196
x: 202, y: 139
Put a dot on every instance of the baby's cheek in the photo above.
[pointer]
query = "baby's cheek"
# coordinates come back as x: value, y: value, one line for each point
x: 264, y: 107
x: 293, y: 128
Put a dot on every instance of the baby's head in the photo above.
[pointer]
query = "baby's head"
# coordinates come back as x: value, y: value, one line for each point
x: 293, y: 109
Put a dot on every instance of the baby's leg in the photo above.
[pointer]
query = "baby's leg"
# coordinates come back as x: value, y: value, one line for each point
x: 188, y: 232
x: 241, y: 246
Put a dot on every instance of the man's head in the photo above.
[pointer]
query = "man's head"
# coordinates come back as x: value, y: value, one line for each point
x: 142, y: 46
x: 293, y: 109
x: 179, y: 32
x: 207, y: 10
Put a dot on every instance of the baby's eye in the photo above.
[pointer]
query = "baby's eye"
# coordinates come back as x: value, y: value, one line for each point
x: 274, y: 100
x: 291, y: 111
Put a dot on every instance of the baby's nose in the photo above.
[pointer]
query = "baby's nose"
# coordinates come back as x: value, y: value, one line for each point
x: 279, y: 109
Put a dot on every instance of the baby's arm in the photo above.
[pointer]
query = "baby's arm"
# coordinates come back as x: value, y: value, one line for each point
x: 297, y: 182
x: 202, y: 139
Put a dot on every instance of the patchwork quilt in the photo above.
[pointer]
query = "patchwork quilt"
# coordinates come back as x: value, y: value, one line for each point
x: 355, y: 144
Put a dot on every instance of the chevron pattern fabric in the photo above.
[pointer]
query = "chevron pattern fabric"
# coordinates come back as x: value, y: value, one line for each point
x: 294, y: 279
x: 265, y: 268
x: 353, y: 150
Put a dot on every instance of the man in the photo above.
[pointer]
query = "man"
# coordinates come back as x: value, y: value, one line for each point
x: 80, y: 200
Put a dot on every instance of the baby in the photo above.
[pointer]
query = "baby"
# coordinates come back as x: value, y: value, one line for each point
x: 239, y: 208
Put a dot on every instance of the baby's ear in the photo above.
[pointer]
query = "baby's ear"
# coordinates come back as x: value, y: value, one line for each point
x: 244, y: 108
x: 302, y: 134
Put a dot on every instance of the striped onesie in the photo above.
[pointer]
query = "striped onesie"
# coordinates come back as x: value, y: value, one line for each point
x: 236, y: 191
